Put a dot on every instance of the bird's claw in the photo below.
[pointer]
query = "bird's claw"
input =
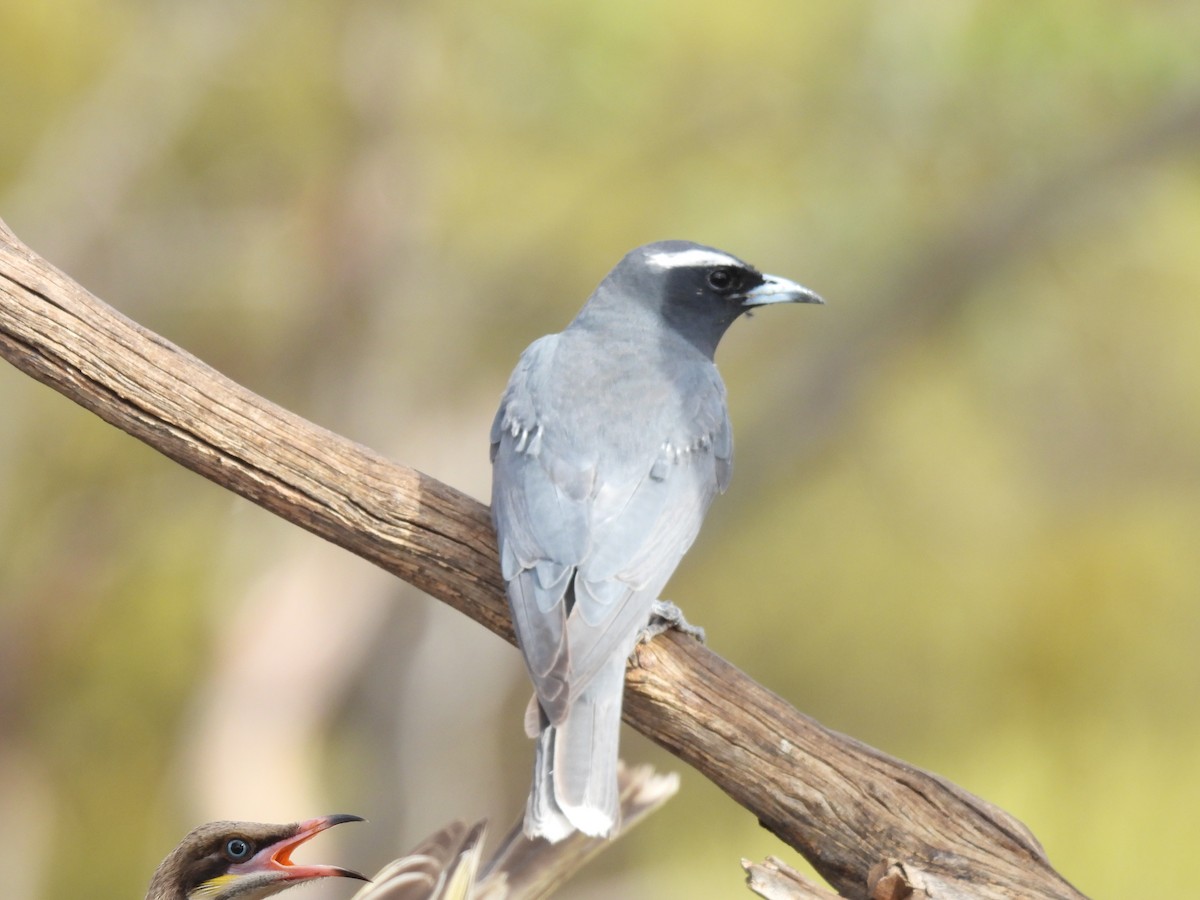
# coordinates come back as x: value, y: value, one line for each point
x: 665, y: 615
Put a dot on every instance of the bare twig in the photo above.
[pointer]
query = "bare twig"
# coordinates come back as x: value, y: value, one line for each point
x: 776, y: 880
x: 844, y: 805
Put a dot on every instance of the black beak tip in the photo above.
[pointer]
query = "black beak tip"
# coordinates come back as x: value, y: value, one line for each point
x: 342, y: 818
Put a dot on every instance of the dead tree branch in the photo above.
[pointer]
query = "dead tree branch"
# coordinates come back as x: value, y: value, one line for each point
x: 847, y: 807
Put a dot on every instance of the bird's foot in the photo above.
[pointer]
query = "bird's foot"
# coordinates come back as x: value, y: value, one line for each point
x: 665, y: 615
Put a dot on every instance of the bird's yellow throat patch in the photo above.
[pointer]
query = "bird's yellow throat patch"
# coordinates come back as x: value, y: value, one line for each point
x: 212, y: 887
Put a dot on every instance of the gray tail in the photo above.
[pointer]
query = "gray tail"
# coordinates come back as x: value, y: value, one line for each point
x: 575, y: 768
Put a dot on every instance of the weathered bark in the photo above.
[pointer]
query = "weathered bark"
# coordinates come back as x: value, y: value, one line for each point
x: 847, y: 807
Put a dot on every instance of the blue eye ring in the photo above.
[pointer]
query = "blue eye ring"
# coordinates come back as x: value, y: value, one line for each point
x: 238, y: 849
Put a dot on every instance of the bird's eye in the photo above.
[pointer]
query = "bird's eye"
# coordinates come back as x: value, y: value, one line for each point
x: 723, y: 279
x: 238, y: 849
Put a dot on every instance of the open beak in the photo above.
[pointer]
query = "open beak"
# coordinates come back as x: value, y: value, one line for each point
x: 273, y: 862
x: 778, y: 290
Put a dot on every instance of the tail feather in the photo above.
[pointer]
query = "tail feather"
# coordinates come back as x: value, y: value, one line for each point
x: 586, y: 750
x: 575, y: 766
x: 543, y: 816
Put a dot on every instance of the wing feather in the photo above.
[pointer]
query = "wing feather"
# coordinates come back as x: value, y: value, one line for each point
x: 587, y: 542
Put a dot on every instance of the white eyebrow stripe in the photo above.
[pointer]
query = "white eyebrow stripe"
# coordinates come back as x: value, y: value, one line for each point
x: 693, y: 256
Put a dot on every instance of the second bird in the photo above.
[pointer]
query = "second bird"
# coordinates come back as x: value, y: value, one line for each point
x: 611, y: 441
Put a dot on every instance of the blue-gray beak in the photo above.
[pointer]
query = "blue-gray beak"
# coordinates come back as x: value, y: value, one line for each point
x: 779, y: 290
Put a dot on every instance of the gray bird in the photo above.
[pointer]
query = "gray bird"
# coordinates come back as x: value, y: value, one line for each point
x: 611, y: 441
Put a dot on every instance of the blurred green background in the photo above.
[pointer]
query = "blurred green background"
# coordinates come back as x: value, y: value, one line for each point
x: 965, y: 518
